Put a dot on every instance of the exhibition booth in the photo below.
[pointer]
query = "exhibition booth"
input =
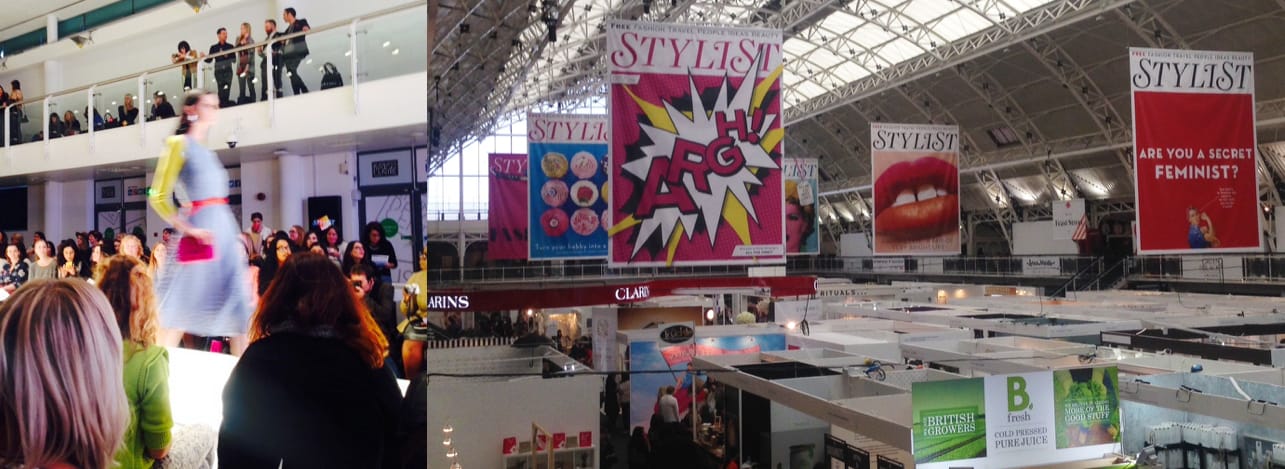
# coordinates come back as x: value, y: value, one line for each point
x: 510, y: 407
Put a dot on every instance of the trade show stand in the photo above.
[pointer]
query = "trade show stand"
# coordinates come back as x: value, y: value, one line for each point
x: 787, y: 407
x: 492, y: 414
x: 1202, y: 420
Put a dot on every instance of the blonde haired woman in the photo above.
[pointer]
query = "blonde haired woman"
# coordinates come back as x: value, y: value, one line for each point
x: 131, y: 246
x: 59, y: 340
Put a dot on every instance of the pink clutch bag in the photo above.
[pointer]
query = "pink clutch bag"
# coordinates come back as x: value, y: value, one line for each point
x: 191, y: 249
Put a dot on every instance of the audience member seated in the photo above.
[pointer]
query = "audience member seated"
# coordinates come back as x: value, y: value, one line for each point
x: 378, y: 299
x: 45, y: 266
x: 312, y: 389
x: 71, y: 264
x: 14, y: 271
x: 276, y: 257
x: 55, y: 126
x: 128, y: 287
x: 60, y: 378
x: 161, y: 107
x: 70, y: 124
x: 127, y: 112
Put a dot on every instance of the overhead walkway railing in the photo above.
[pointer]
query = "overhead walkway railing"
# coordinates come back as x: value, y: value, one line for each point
x: 962, y: 267
x: 1265, y: 268
x: 378, y: 45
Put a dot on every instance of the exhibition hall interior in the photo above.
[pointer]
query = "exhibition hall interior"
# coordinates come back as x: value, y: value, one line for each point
x: 573, y: 234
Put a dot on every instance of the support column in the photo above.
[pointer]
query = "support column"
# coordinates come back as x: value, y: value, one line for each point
x: 54, y: 208
x: 51, y: 28
x: 290, y: 199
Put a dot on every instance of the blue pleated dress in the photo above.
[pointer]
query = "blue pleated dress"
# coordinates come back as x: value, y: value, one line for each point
x: 208, y: 298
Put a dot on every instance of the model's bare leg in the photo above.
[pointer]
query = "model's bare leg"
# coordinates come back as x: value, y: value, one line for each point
x: 171, y: 337
x: 412, y: 357
x: 239, y: 344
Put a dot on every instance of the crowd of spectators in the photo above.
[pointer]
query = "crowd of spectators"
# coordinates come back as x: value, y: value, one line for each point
x: 315, y: 388
x: 230, y: 58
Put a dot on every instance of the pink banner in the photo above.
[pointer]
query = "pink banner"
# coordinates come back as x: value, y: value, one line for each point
x: 507, y: 214
x: 696, y: 150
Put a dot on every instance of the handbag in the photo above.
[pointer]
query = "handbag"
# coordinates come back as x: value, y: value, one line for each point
x: 192, y: 250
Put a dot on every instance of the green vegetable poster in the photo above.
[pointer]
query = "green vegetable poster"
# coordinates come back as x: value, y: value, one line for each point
x: 949, y: 420
x: 1088, y: 407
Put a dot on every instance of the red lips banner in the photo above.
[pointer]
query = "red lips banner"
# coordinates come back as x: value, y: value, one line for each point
x: 916, y: 189
x: 1195, y: 152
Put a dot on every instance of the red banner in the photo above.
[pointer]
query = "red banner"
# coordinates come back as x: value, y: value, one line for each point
x: 696, y: 150
x: 507, y: 210
x: 1194, y: 151
x: 624, y: 293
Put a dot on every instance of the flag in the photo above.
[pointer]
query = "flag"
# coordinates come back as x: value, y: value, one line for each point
x: 1082, y: 229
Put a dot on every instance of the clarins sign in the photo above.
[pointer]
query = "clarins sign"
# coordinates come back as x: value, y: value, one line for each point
x: 633, y: 293
x: 447, y: 302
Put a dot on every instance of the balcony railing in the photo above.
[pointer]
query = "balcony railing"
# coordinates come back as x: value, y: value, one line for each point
x: 1078, y: 272
x: 379, y: 45
x: 1265, y: 268
x: 800, y: 265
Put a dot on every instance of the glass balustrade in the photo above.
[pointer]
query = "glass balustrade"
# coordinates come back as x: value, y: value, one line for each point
x: 168, y: 82
x: 29, y: 121
x: 392, y: 45
x: 109, y: 100
x: 67, y: 114
x: 388, y: 45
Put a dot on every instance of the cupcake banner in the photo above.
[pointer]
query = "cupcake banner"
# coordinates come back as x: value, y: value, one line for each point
x: 568, y: 186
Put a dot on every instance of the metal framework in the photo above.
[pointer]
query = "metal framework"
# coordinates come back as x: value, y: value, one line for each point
x: 851, y: 62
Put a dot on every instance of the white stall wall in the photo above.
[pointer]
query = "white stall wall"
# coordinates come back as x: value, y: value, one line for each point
x: 1036, y: 238
x: 854, y: 245
x: 484, y: 413
x: 796, y: 432
x: 1280, y: 228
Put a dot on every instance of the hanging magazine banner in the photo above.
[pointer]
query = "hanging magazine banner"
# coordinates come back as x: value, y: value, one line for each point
x: 1194, y: 151
x: 506, y: 214
x: 802, y: 226
x: 568, y: 182
x: 696, y: 142
x: 916, y: 189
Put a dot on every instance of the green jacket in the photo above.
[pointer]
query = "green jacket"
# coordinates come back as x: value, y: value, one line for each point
x: 147, y: 374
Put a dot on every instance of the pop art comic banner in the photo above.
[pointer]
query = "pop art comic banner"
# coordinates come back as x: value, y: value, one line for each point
x: 916, y: 189
x: 506, y: 214
x: 567, y: 186
x: 1194, y: 151
x: 696, y: 148
x: 802, y: 226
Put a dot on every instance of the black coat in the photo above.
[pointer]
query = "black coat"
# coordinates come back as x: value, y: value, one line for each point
x: 312, y: 402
